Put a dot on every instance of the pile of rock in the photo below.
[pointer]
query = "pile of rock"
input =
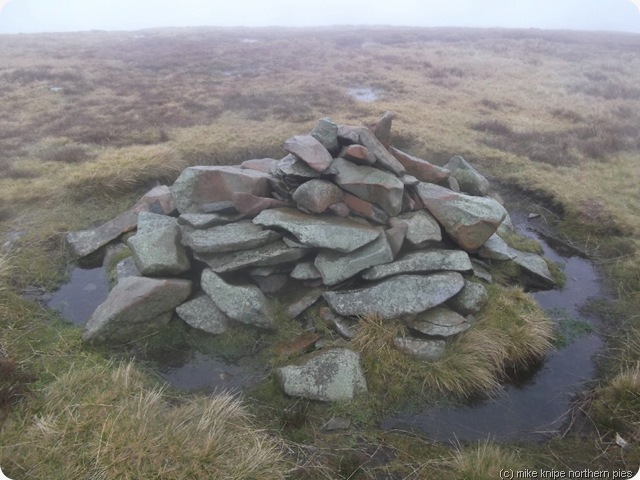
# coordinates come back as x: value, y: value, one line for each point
x: 343, y: 217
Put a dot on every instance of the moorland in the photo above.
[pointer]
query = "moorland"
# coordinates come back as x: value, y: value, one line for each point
x: 90, y: 121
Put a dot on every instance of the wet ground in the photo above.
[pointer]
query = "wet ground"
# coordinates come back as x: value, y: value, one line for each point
x: 536, y: 403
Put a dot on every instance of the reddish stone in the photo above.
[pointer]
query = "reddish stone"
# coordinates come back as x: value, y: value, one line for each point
x: 366, y: 209
x: 421, y: 169
x: 357, y: 154
x: 310, y: 151
x: 252, y: 205
x: 317, y: 195
x: 298, y: 345
x: 265, y: 165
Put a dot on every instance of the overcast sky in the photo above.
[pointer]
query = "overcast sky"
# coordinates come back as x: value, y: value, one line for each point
x: 19, y: 16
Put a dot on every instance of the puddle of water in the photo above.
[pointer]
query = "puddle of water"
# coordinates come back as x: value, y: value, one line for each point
x: 204, y: 373
x: 77, y: 299
x: 537, y: 404
x: 363, y: 94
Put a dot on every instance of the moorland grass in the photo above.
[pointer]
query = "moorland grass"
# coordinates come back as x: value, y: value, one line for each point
x: 94, y: 118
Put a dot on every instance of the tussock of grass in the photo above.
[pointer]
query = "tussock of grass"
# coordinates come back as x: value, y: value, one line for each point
x: 511, y: 331
x: 616, y: 406
x: 123, y: 170
x: 106, y: 422
x: 485, y: 461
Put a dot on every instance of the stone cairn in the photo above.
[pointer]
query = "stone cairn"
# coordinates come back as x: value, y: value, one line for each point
x: 344, y: 219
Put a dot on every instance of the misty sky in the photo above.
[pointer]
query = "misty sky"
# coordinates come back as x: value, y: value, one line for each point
x: 21, y: 16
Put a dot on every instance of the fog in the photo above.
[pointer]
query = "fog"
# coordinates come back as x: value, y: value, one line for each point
x: 25, y: 16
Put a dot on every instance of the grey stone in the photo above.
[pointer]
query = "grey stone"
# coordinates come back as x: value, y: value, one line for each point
x: 326, y: 132
x: 382, y: 130
x: 272, y: 254
x: 328, y: 376
x: 203, y: 314
x: 495, y: 248
x: 439, y: 321
x: 480, y: 271
x: 422, y: 261
x: 310, y: 151
x: 469, y: 179
x: 337, y: 423
x: 370, y: 184
x: 305, y: 270
x: 86, y: 242
x: 225, y: 206
x: 535, y: 269
x: 409, y: 180
x: 336, y: 267
x: 470, y: 300
x: 157, y: 200
x: 294, y: 167
x: 395, y: 236
x: 367, y: 138
x: 425, y: 350
x: 317, y: 195
x: 357, y: 154
x: 297, y: 299
x: 421, y: 227
x: 340, y: 234
x: 366, y: 209
x: 149, y: 222
x: 397, y: 296
x: 345, y: 327
x: 135, y: 307
x: 228, y: 238
x: 197, y: 186
x: 469, y: 220
x: 206, y: 220
x: 242, y: 303
x: 126, y: 268
x: 158, y: 251
x: 264, y: 165
x: 271, y: 283
x: 251, y: 205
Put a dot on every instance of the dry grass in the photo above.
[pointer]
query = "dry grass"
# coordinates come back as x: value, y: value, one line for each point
x: 106, y: 422
x: 485, y: 461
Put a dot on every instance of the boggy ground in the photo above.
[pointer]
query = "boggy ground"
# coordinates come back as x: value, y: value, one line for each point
x: 91, y: 120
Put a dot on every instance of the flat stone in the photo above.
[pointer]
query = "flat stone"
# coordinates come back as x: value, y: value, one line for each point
x: 340, y: 234
x: 310, y: 151
x: 470, y: 300
x: 206, y: 220
x: 495, y: 248
x: 126, y: 268
x: 135, y: 307
x: 197, y: 186
x: 149, y: 222
x: 480, y: 271
x: 326, y: 132
x: 366, y: 209
x: 272, y: 254
x: 86, y: 242
x: 296, y: 300
x: 421, y: 169
x: 228, y: 238
x: 395, y: 236
x: 293, y: 166
x: 242, y: 303
x: 469, y: 220
x: 272, y: 283
x: 264, y: 165
x: 439, y: 321
x: 328, y: 376
x: 469, y: 179
x: 425, y: 350
x: 340, y: 209
x: 370, y: 184
x: 225, y: 206
x: 397, y: 296
x: 367, y: 138
x: 305, y: 270
x: 335, y: 267
x: 535, y: 268
x: 157, y: 249
x: 422, y: 261
x: 409, y: 180
x: 298, y: 345
x: 337, y: 423
x: 316, y: 196
x: 422, y: 227
x: 203, y: 314
x: 357, y: 154
x: 157, y: 200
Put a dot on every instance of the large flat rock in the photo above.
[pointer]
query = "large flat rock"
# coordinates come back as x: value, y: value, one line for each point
x: 328, y: 376
x: 203, y: 185
x: 274, y: 253
x: 310, y: 151
x: 242, y: 303
x: 341, y: 234
x: 203, y: 314
x: 422, y: 261
x: 370, y: 184
x: 228, y: 238
x: 535, y: 269
x: 469, y: 220
x: 134, y: 307
x: 421, y: 227
x: 469, y: 179
x: 336, y: 267
x: 397, y: 296
x: 86, y: 242
x: 439, y: 321
x: 421, y: 169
